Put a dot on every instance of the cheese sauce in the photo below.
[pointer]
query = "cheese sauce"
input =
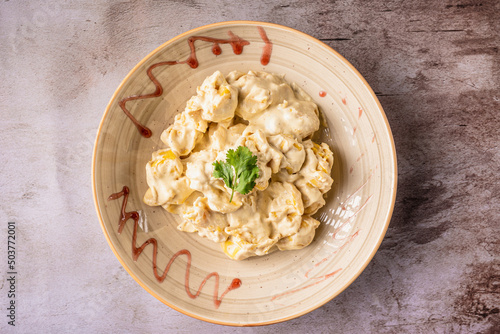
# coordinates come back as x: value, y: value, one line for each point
x: 274, y: 120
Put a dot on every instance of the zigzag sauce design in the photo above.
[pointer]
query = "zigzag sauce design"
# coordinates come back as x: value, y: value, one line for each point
x: 236, y: 43
x: 137, y: 251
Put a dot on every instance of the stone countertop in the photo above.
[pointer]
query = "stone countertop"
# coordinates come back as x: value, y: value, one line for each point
x: 434, y: 65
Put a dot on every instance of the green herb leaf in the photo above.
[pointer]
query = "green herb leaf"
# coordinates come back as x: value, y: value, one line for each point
x: 239, y: 171
x: 223, y: 171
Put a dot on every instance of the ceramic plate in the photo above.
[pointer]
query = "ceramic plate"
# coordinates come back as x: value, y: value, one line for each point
x: 193, y: 275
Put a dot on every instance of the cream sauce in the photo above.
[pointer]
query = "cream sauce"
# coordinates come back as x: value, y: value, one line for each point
x: 273, y: 119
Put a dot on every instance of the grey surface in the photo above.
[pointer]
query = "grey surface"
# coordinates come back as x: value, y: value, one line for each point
x: 435, y: 66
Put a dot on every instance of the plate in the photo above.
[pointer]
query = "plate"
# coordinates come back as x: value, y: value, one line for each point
x: 193, y: 275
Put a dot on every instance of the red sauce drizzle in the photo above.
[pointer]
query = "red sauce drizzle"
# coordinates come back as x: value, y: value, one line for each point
x: 216, y: 50
x: 136, y: 252
x: 268, y: 47
x: 236, y: 43
x: 360, y: 112
x: 322, y: 93
x: 344, y: 101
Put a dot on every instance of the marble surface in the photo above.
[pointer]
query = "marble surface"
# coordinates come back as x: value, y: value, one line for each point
x: 434, y: 65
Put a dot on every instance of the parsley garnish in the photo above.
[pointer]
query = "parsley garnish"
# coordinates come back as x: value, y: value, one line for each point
x: 239, y: 171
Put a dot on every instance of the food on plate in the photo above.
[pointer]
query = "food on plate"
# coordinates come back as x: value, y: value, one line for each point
x: 240, y: 167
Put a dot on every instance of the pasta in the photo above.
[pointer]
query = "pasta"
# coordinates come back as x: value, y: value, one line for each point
x: 275, y: 121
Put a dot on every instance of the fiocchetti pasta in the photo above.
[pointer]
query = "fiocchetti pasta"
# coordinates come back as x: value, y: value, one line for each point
x: 275, y: 121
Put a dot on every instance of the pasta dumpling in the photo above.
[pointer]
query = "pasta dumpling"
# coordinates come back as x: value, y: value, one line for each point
x: 274, y: 120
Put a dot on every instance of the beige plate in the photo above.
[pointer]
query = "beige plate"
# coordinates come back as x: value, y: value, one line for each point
x: 282, y: 285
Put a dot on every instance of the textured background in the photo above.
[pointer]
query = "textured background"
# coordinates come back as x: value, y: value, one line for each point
x: 435, y: 66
